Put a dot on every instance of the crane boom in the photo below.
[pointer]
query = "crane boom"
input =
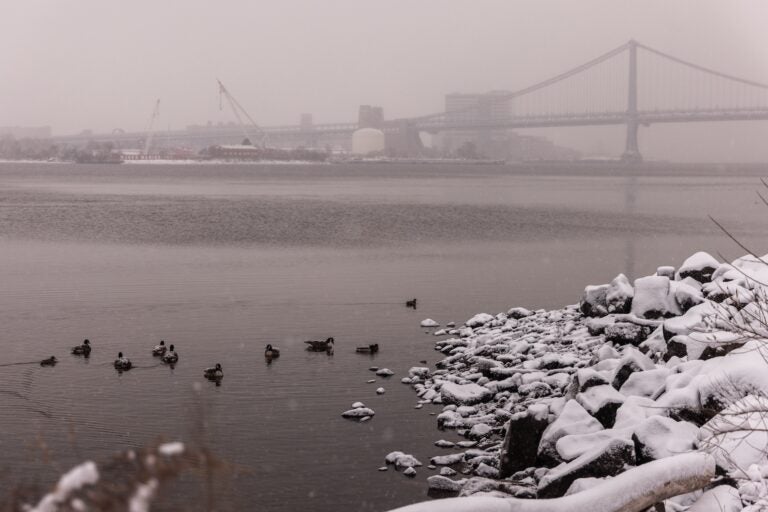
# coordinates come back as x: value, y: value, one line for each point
x: 237, y: 109
x: 150, y: 133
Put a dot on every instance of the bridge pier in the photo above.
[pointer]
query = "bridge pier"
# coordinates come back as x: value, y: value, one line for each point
x: 631, y: 149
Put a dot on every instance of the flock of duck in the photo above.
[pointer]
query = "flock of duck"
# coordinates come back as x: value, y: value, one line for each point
x: 169, y: 356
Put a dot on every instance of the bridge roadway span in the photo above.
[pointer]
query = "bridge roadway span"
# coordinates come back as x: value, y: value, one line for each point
x: 435, y: 125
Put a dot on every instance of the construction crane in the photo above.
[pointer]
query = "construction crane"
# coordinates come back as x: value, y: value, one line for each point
x: 150, y: 133
x: 237, y: 110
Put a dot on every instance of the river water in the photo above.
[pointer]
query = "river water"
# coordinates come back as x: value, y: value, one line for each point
x: 222, y: 259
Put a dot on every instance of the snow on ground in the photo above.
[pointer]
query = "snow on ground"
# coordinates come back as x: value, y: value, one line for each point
x: 636, y: 375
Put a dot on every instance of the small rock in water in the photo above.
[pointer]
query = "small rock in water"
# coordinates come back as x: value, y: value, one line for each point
x: 451, y: 324
x: 358, y: 405
x: 418, y: 406
x: 380, y: 391
x: 358, y: 413
x: 364, y: 419
x: 402, y: 460
x: 446, y: 471
x: 410, y: 472
x: 373, y: 368
x: 383, y: 468
x: 431, y: 466
x: 428, y: 322
x: 371, y: 381
x: 385, y: 372
x: 405, y: 380
x: 442, y: 443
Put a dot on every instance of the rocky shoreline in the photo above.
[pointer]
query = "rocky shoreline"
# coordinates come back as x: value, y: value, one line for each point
x: 637, y: 375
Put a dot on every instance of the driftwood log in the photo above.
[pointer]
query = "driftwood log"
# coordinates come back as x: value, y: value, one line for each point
x: 632, y: 491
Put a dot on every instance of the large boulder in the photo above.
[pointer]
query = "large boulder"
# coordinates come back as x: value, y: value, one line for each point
x: 632, y: 360
x: 594, y: 300
x: 705, y: 345
x: 619, y: 295
x: 479, y: 320
x: 583, y: 379
x: 645, y: 383
x: 601, y: 402
x: 699, y: 266
x: 652, y: 298
x: 606, y: 460
x: 521, y: 442
x: 658, y: 437
x: 464, y: 394
x: 572, y: 420
x: 626, y: 333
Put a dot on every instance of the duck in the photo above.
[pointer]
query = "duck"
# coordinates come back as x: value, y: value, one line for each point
x: 170, y: 357
x: 51, y: 361
x: 370, y: 349
x: 411, y: 303
x: 214, y: 372
x: 122, y: 363
x: 82, y: 350
x: 320, y: 346
x: 160, y: 349
x: 271, y: 353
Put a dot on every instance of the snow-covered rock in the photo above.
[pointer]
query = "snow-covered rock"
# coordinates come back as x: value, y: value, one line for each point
x: 464, y: 394
x: 443, y: 483
x: 619, y: 295
x: 606, y: 460
x: 623, y: 333
x: 652, y: 298
x: 521, y: 442
x: 658, y: 437
x: 358, y: 412
x: 601, y: 402
x: 479, y: 320
x: 645, y: 383
x: 594, y: 301
x: 572, y: 420
x: 737, y: 437
x: 699, y: 266
x: 428, y: 322
x: 722, y: 498
x: 402, y: 460
x: 518, y: 313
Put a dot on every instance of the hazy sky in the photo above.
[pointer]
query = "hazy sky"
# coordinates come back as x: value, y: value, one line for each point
x: 100, y: 64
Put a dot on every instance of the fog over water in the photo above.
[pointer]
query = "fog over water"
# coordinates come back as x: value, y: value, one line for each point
x: 222, y: 260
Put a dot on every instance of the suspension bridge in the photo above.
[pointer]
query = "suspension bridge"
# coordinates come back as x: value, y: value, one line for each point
x: 633, y: 85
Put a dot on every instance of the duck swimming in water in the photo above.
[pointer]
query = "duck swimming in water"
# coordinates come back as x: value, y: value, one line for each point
x: 160, y: 349
x: 122, y: 363
x: 411, y: 303
x: 171, y: 357
x: 320, y: 346
x: 271, y: 353
x: 51, y: 361
x: 213, y: 373
x: 82, y: 350
x: 370, y: 349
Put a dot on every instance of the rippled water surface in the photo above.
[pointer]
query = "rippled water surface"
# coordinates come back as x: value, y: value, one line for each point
x: 221, y: 260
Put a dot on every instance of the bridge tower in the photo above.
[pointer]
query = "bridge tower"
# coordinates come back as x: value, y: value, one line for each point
x: 631, y: 150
